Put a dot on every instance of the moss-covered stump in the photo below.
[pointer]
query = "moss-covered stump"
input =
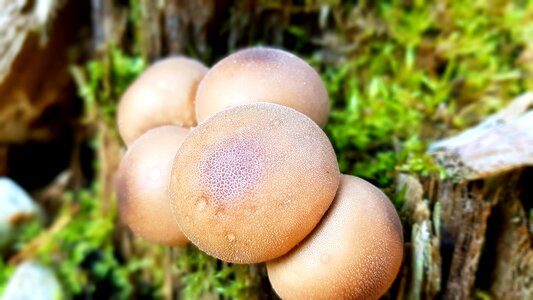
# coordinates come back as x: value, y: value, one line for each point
x: 471, y: 229
x: 400, y: 75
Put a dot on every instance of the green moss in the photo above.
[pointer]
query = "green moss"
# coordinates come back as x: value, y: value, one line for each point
x: 81, y: 251
x: 102, y: 82
x: 419, y: 71
x: 204, y: 276
x: 5, y: 273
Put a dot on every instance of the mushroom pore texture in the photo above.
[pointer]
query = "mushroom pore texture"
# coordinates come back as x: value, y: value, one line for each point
x: 252, y: 181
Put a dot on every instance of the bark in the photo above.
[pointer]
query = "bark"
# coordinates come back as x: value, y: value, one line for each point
x: 512, y: 276
x: 448, y: 254
x: 485, y: 166
x: 165, y: 28
x: 464, y: 219
x: 422, y: 262
x: 37, y: 42
x: 108, y: 21
x: 501, y: 143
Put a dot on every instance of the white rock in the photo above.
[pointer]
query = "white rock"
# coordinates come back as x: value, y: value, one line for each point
x: 15, y: 204
x: 32, y: 281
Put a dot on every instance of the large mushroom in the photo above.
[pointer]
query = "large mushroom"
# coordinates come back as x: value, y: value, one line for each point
x: 142, y: 185
x: 262, y: 74
x: 354, y: 253
x: 164, y: 94
x: 252, y: 181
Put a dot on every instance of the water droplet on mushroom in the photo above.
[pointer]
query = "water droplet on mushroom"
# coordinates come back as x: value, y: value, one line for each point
x: 201, y: 204
x: 325, y: 258
x: 230, y: 237
x: 219, y: 215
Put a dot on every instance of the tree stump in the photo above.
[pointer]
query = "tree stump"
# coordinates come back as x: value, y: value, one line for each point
x: 470, y: 231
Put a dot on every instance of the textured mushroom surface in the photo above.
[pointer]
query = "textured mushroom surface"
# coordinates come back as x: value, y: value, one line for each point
x: 354, y: 253
x: 252, y: 181
x: 142, y: 185
x: 164, y: 94
x: 263, y: 75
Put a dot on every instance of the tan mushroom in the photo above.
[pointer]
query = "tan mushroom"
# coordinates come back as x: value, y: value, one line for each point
x: 251, y: 182
x: 164, y: 94
x: 142, y: 185
x: 354, y: 253
x: 263, y: 74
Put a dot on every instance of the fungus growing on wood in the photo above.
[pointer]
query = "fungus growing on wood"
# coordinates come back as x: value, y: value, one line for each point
x: 252, y: 181
x: 142, y: 185
x: 263, y: 74
x: 354, y: 253
x: 163, y: 95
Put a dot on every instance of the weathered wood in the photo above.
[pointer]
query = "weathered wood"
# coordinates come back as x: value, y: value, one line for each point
x: 172, y: 27
x: 36, y: 45
x: 448, y: 231
x: 512, y: 277
x: 503, y: 142
x: 479, y: 162
x: 464, y: 218
x: 109, y: 21
x: 423, y: 266
x: 150, y: 29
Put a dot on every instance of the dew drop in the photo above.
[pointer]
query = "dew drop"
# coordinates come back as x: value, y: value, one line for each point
x: 219, y: 215
x: 325, y: 258
x: 230, y: 237
x: 201, y: 204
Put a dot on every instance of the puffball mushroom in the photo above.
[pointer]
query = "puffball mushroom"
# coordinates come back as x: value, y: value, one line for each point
x: 142, y: 185
x: 164, y: 94
x: 252, y: 181
x: 354, y: 253
x: 263, y: 74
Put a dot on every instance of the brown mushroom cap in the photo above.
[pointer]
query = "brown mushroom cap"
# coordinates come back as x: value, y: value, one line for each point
x: 142, y: 185
x: 263, y: 75
x: 164, y: 94
x: 252, y: 181
x: 354, y: 253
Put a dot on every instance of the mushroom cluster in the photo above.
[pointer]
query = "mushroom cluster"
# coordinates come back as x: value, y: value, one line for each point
x: 257, y: 180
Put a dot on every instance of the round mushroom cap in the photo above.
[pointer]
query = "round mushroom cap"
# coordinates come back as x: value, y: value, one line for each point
x: 164, y: 94
x: 142, y: 185
x: 251, y: 182
x: 355, y: 252
x: 263, y: 75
